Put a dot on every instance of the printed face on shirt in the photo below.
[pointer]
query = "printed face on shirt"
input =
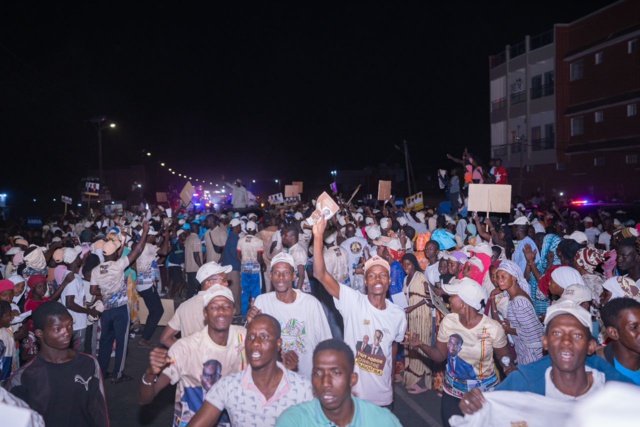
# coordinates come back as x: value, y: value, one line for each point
x: 262, y: 343
x: 627, y: 331
x: 218, y: 314
x: 57, y: 332
x: 377, y: 338
x: 332, y: 379
x: 377, y: 280
x: 211, y: 373
x: 282, y: 275
x: 568, y: 342
x: 454, y: 345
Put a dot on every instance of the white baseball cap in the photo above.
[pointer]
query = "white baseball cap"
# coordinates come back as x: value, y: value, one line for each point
x: 251, y: 225
x: 209, y: 269
x: 568, y: 307
x: 578, y: 236
x: 577, y: 294
x: 217, y: 291
x: 235, y: 222
x: 468, y: 290
x: 283, y: 257
x: 520, y: 221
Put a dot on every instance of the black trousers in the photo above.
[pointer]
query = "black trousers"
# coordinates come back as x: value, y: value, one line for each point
x: 154, y: 305
x: 192, y: 285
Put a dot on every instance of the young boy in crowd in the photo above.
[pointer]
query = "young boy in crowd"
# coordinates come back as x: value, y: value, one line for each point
x: 7, y: 344
x: 62, y: 385
x: 621, y: 317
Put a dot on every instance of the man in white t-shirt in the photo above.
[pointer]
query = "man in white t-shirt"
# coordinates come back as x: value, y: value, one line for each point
x: 371, y: 315
x: 591, y: 231
x: 302, y: 319
x: 107, y: 281
x: 214, y: 239
x: 189, y: 318
x: 200, y: 360
x: 74, y: 298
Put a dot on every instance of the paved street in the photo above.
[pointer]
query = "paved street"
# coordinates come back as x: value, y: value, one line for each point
x: 124, y: 410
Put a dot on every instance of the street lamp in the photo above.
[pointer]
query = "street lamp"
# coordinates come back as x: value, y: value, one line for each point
x: 100, y: 124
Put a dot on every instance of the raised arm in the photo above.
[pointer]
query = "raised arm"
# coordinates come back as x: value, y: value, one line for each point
x: 319, y: 268
x: 135, y: 253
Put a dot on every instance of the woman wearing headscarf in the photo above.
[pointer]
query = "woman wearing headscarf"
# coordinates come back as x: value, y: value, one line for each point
x: 419, y: 320
x: 536, y: 270
x: 468, y: 341
x: 563, y: 277
x: 586, y: 261
x: 619, y: 287
x: 521, y: 324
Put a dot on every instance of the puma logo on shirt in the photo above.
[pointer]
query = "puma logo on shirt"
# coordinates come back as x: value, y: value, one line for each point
x: 82, y: 381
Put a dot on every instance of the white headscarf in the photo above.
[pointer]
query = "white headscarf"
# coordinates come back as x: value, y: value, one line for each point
x: 36, y: 259
x: 514, y: 270
x: 566, y: 276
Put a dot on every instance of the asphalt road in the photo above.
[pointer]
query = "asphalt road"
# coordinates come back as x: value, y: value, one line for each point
x: 124, y: 410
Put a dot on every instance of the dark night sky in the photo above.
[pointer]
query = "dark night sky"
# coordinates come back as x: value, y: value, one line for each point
x: 250, y: 89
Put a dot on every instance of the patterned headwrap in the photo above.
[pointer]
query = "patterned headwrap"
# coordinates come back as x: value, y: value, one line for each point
x: 621, y: 287
x: 590, y: 258
x: 514, y: 270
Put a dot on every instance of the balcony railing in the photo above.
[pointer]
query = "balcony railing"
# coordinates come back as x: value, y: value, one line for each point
x: 517, y: 50
x: 518, y: 97
x: 540, y: 91
x: 498, y: 104
x: 540, y: 40
x: 543, y: 144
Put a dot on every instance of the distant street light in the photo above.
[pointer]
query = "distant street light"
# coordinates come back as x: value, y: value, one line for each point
x: 162, y: 164
x: 100, y: 124
x: 148, y: 154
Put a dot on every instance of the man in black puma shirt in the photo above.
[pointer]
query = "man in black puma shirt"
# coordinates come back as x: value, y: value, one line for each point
x: 63, y: 386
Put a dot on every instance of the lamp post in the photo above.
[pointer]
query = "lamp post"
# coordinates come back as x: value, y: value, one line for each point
x: 100, y: 124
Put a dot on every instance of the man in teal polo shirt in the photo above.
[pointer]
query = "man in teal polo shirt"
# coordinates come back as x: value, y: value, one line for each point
x: 332, y: 378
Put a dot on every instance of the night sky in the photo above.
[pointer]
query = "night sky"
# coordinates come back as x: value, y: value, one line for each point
x: 256, y: 90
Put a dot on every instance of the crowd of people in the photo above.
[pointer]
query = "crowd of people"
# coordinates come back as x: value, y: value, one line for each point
x: 289, y: 318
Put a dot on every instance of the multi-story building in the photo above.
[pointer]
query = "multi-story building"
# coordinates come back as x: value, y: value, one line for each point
x: 564, y: 107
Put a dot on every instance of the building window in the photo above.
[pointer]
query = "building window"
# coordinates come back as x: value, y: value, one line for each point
x: 599, y: 116
x: 632, y: 110
x: 577, y: 70
x: 632, y: 45
x: 598, y: 161
x: 599, y: 58
x: 631, y: 159
x: 577, y: 127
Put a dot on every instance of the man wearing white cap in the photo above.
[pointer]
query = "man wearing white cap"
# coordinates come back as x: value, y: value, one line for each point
x: 250, y: 249
x: 568, y: 373
x: 371, y: 315
x: 188, y: 318
x: 302, y: 318
x: 195, y: 363
x: 300, y: 257
x: 108, y: 281
x: 74, y: 298
x: 591, y: 231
